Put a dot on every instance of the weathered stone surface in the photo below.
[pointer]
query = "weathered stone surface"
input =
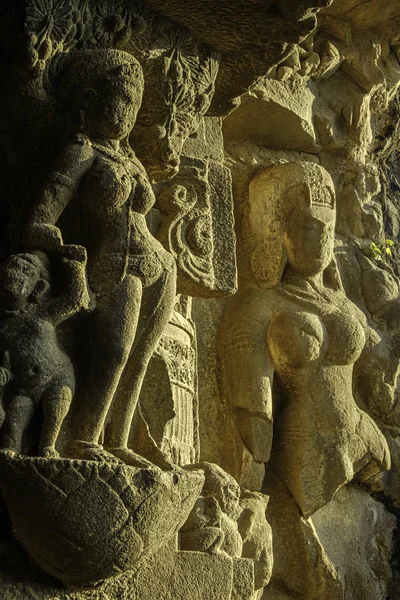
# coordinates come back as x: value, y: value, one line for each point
x: 199, y: 298
x: 357, y: 534
x: 256, y: 535
x: 37, y: 375
x: 275, y: 113
x: 316, y: 450
x: 211, y: 526
x: 243, y: 580
x: 195, y: 206
x: 195, y: 575
x: 169, y: 575
x: 84, y: 521
x: 311, y: 575
x: 168, y: 420
x: 251, y: 37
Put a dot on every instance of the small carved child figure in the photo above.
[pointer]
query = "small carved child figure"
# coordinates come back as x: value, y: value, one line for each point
x: 40, y: 373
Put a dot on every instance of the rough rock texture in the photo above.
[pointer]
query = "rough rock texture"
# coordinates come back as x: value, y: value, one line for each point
x: 357, y: 532
x: 169, y: 575
x: 85, y: 522
x: 199, y: 300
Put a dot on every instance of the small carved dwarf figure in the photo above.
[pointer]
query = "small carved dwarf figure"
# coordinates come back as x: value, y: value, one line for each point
x: 211, y: 526
x: 35, y: 369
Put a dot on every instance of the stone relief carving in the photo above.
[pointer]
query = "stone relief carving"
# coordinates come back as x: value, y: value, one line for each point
x: 375, y: 288
x: 191, y: 242
x: 256, y: 534
x: 95, y: 200
x: 211, y: 527
x: 129, y: 272
x: 168, y: 419
x: 51, y: 27
x: 36, y: 373
x: 179, y: 73
x: 248, y: 37
x: 227, y: 520
x: 377, y: 370
x: 96, y: 194
x: 86, y: 521
x: 180, y: 82
x: 301, y: 333
x: 195, y: 205
x: 115, y: 198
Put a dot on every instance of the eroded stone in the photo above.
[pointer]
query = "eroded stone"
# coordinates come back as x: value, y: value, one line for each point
x: 85, y: 521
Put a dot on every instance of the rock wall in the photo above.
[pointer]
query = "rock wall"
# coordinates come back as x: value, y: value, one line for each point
x: 199, y: 300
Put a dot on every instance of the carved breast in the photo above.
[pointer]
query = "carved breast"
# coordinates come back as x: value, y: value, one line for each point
x: 345, y: 336
x: 106, y: 187
x: 328, y: 335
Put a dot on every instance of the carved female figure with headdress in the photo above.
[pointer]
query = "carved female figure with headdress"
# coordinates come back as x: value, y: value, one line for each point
x: 296, y: 336
x: 98, y: 180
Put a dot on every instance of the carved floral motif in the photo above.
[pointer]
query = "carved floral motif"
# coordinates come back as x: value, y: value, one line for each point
x: 52, y: 26
x: 113, y: 23
x: 180, y: 83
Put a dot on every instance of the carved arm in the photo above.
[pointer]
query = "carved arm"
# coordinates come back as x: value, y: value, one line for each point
x: 249, y: 376
x: 76, y: 294
x: 61, y: 185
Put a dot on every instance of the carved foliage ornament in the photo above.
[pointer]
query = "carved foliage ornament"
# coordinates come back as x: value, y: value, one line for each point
x: 198, y: 228
x: 180, y: 83
x: 113, y: 24
x: 187, y: 231
x: 52, y: 26
x: 179, y: 73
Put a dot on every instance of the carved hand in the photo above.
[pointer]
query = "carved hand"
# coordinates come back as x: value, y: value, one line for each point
x: 74, y: 252
x: 44, y: 237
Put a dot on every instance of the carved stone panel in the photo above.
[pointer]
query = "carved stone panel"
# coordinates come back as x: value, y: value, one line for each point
x: 298, y: 336
x: 199, y: 299
x: 198, y: 228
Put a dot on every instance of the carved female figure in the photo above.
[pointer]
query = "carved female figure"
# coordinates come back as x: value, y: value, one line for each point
x: 303, y: 330
x: 129, y: 272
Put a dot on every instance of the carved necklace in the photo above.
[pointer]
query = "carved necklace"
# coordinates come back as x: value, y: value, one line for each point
x: 309, y: 295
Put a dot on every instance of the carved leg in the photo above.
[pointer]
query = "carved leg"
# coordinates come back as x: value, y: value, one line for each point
x: 157, y: 305
x: 20, y: 411
x: 116, y: 322
x: 55, y: 402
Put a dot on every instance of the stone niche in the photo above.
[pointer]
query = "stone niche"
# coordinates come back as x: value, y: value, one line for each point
x: 199, y: 300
